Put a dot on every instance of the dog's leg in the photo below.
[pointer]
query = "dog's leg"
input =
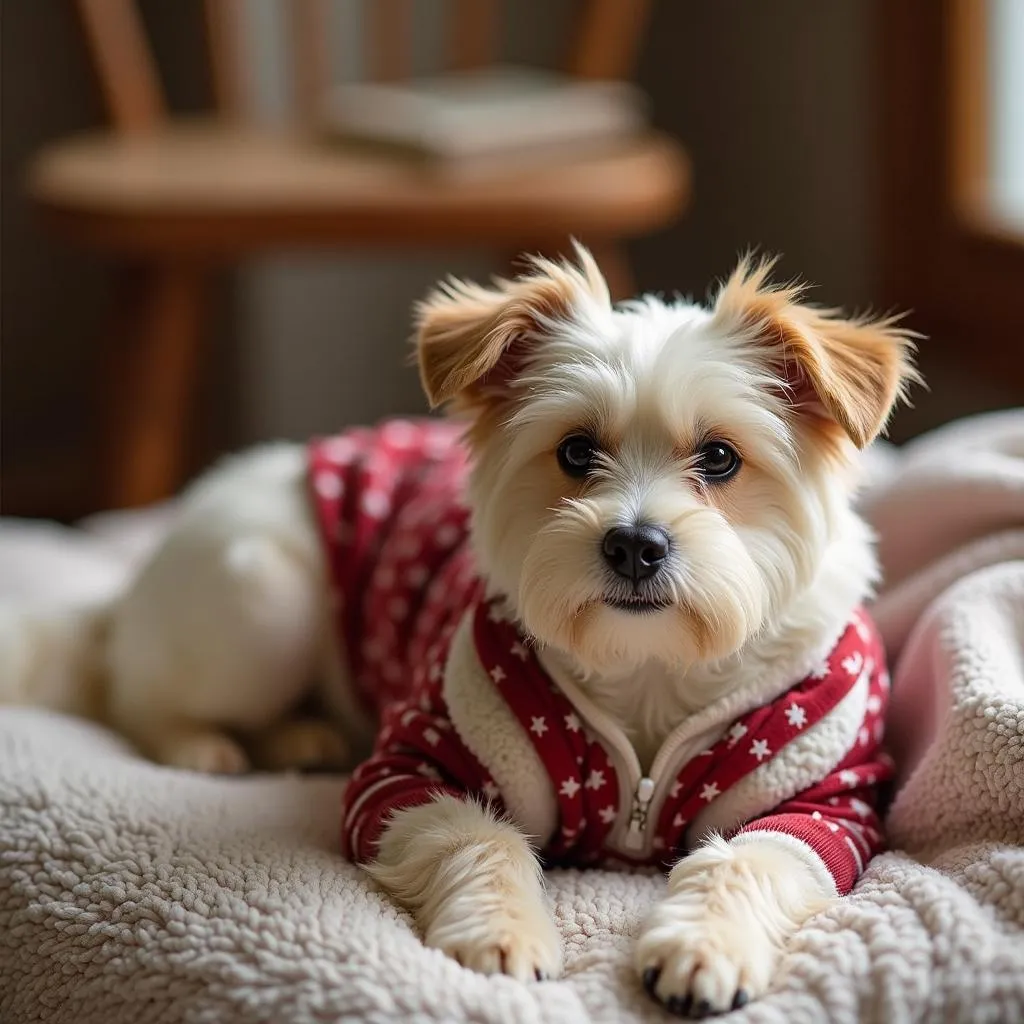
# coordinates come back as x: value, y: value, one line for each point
x: 715, y: 941
x: 474, y: 887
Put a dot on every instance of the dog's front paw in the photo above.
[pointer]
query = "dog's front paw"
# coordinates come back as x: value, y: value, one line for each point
x: 696, y: 963
x: 714, y: 943
x: 474, y: 886
x: 518, y: 940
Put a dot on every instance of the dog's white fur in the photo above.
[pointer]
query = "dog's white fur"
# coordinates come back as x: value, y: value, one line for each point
x: 225, y: 627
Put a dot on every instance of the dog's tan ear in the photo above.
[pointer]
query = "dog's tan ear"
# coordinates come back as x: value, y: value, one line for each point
x: 851, y: 371
x: 470, y: 339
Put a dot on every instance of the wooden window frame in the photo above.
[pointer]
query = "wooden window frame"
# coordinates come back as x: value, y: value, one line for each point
x: 943, y: 253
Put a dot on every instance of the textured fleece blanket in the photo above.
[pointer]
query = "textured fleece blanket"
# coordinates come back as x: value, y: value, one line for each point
x: 130, y: 892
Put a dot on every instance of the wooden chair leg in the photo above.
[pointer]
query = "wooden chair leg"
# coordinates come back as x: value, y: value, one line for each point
x: 150, y: 381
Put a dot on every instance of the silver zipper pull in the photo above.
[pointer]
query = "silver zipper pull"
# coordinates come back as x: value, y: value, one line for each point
x: 638, y: 815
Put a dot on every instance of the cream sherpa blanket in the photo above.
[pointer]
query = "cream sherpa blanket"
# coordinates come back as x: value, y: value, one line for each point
x: 132, y: 893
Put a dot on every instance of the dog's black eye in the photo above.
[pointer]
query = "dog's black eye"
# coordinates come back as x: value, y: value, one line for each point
x: 576, y: 454
x: 718, y: 461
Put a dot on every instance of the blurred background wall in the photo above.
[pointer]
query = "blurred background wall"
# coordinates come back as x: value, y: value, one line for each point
x: 773, y: 101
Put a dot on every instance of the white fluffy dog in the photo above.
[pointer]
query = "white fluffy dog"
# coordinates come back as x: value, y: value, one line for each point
x: 649, y: 645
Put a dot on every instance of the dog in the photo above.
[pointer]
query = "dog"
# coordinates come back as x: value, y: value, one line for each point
x: 610, y: 612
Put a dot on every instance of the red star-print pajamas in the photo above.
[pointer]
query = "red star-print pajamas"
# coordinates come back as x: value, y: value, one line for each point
x: 387, y: 502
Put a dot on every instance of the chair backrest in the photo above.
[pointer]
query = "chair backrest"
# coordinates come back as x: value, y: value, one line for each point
x: 603, y: 44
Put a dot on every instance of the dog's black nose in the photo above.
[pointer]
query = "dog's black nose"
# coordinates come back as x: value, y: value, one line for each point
x: 636, y: 552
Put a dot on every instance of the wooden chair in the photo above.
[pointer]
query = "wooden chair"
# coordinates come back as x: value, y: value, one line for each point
x: 174, y: 199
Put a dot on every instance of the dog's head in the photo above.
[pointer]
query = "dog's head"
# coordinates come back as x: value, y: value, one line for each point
x: 653, y: 479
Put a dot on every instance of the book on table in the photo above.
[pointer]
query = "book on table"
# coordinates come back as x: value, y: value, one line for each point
x: 500, y: 117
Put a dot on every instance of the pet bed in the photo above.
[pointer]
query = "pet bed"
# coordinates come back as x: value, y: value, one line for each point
x: 133, y: 892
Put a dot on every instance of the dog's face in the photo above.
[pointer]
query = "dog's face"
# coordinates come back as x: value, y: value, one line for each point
x: 653, y: 480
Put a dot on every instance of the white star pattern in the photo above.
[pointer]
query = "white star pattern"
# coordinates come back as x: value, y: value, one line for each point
x: 329, y: 485
x: 498, y: 674
x: 736, y: 733
x: 760, y: 750
x: 678, y: 821
x: 863, y: 736
x: 538, y: 725
x: 376, y: 504
x: 884, y: 681
x: 572, y: 722
x: 709, y: 792
x: 853, y: 663
x: 674, y: 791
x: 519, y: 651
x: 408, y: 717
x: 861, y: 809
x: 659, y: 843
x: 435, y: 671
x: 399, y: 433
x: 832, y: 826
x: 874, y: 704
x: 833, y: 801
x: 862, y: 630
x: 607, y: 814
x: 821, y: 670
x: 490, y: 790
x: 447, y: 535
x: 796, y: 716
x: 849, y: 778
x: 432, y: 736
x: 816, y: 815
x: 879, y: 731
x: 595, y: 780
x: 569, y: 788
x: 429, y: 771
x: 339, y: 450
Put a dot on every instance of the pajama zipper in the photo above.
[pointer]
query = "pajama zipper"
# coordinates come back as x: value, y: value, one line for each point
x: 641, y: 794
